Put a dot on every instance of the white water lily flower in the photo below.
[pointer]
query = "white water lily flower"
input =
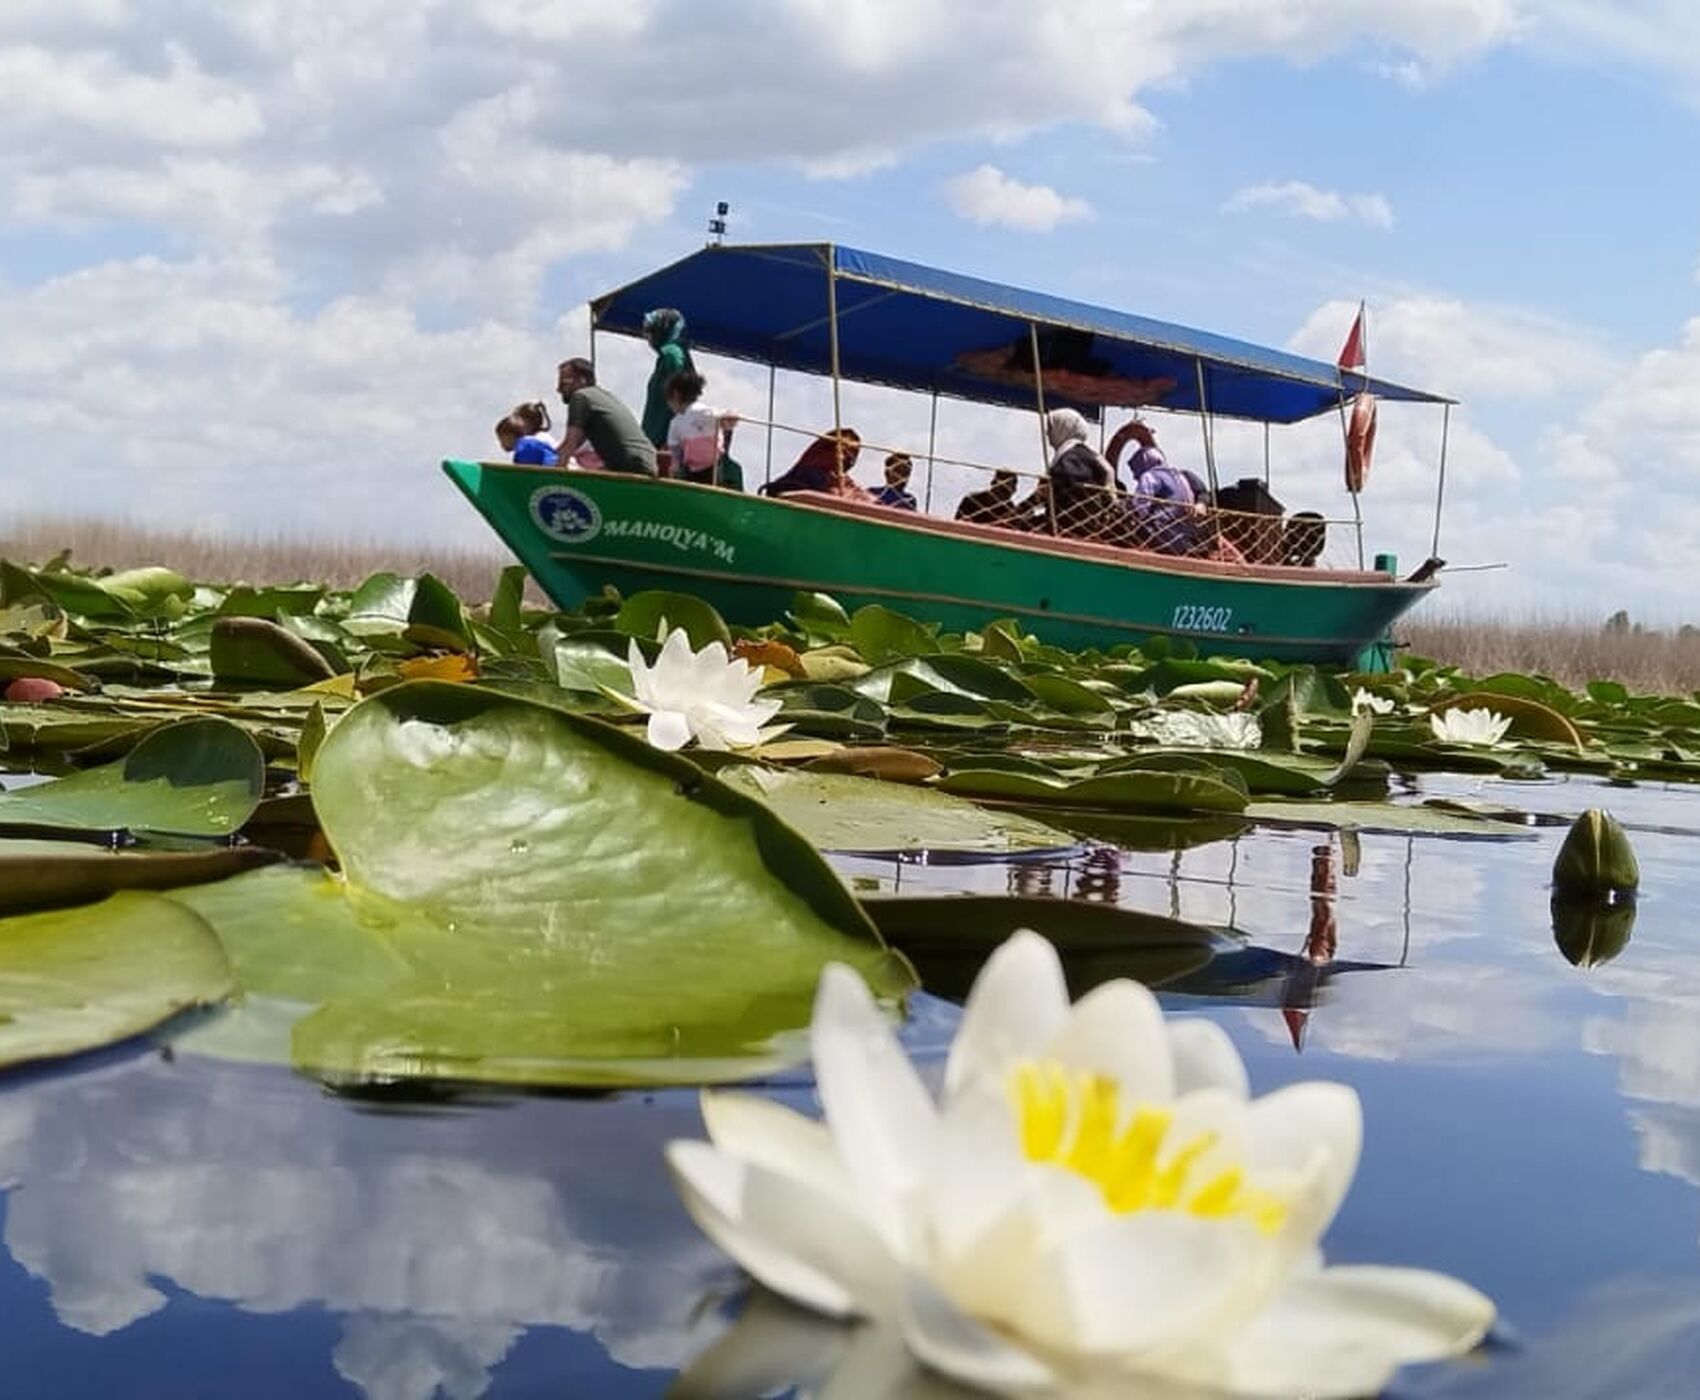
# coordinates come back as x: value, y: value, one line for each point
x: 1097, y: 1203
x: 703, y: 695
x: 1482, y: 728
x: 1366, y: 702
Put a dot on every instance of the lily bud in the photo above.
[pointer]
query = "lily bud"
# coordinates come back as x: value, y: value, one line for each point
x: 1596, y: 858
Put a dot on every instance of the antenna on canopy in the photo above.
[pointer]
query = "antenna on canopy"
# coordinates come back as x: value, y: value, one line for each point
x: 717, y: 225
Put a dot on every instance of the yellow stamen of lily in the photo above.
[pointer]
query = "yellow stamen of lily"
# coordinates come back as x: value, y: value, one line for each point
x: 1078, y: 1122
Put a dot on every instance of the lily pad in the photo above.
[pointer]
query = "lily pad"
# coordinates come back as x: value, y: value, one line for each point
x: 1216, y: 790
x: 75, y: 979
x: 35, y: 874
x: 643, y: 614
x: 1383, y: 816
x: 840, y: 812
x: 193, y: 777
x: 573, y: 906
x: 258, y: 652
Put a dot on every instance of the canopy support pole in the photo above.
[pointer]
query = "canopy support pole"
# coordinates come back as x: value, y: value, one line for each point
x: 932, y: 445
x: 593, y: 345
x: 832, y: 334
x: 772, y: 385
x: 1266, y: 454
x: 1440, y: 486
x: 1209, y: 451
x: 1204, y: 425
x: 1044, y: 439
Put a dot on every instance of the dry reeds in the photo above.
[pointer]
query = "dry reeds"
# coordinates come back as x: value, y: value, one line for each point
x: 224, y: 559
x: 1572, y: 650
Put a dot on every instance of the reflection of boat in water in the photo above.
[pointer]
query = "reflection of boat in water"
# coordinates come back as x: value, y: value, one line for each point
x: 834, y: 311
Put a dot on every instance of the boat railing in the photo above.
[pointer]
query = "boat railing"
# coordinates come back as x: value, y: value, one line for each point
x: 1108, y: 515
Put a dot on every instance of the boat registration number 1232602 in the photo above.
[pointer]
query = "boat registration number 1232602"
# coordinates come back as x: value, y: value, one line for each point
x: 1194, y: 618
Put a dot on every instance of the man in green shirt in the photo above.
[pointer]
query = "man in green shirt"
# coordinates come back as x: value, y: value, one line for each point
x: 596, y: 416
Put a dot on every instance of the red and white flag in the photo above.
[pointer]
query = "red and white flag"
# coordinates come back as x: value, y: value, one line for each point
x: 1354, y: 354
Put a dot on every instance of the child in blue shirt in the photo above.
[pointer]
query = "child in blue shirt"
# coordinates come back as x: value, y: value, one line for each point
x: 518, y: 434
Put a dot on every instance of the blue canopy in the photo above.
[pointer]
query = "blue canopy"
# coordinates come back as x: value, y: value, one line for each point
x: 924, y: 329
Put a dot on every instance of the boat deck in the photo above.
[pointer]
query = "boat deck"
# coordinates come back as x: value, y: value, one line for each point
x: 1074, y: 548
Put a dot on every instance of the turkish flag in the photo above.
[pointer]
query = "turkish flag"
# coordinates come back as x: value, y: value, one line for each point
x: 1353, y: 354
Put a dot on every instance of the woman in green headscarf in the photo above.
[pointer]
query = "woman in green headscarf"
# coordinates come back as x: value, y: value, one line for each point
x: 665, y: 331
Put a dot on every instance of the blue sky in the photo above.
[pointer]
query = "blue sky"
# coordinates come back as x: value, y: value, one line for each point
x: 262, y: 266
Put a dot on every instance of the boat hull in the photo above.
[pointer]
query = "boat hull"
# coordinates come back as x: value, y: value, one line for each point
x: 579, y: 532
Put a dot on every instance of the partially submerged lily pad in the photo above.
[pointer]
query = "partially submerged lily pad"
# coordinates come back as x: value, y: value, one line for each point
x: 76, y: 979
x: 568, y: 906
x: 194, y: 777
x: 35, y: 874
x: 842, y: 812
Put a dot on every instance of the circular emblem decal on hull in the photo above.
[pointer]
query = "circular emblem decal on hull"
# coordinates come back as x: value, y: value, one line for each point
x: 565, y: 514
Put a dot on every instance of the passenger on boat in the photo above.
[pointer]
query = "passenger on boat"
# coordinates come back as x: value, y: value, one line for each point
x: 1303, y: 539
x: 699, y: 440
x: 895, y: 493
x: 665, y: 331
x: 596, y: 417
x: 1083, y: 486
x: 825, y: 465
x: 518, y: 433
x: 995, y: 505
x: 1166, y: 504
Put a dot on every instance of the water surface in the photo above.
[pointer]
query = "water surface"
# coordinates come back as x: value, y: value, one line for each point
x: 179, y: 1226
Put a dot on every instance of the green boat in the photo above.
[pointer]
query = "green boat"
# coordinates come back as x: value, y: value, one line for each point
x: 839, y: 312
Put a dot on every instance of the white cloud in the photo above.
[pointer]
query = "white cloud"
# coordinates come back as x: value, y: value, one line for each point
x: 988, y: 196
x: 1307, y: 201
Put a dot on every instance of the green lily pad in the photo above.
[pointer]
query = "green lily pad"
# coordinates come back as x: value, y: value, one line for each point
x: 255, y: 651
x: 883, y: 635
x: 193, y: 777
x: 839, y: 812
x: 643, y: 613
x: 572, y: 906
x: 35, y: 874
x: 1384, y: 816
x: 1217, y: 790
x: 75, y: 979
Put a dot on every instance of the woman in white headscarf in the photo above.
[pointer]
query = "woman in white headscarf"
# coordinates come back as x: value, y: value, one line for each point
x: 1083, y: 488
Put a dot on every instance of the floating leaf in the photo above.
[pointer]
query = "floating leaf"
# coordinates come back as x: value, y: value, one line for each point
x: 289, y: 599
x: 435, y: 617
x: 1383, y: 816
x: 882, y: 761
x: 509, y: 853
x: 506, y: 603
x: 76, y: 979
x: 457, y: 666
x: 881, y: 635
x: 818, y: 615
x: 1217, y: 790
x: 14, y: 668
x: 34, y: 874
x: 643, y: 614
x: 838, y: 812
x: 194, y: 777
x: 257, y: 652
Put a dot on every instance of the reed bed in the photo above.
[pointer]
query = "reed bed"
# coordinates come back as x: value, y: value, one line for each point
x: 1572, y: 649
x: 223, y: 559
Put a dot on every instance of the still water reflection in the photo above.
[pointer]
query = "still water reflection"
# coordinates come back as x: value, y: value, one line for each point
x: 179, y: 1226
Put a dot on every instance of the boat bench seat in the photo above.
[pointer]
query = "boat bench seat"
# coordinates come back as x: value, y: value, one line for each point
x: 1061, y: 544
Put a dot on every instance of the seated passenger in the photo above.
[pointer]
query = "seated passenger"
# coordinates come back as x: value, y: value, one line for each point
x: 825, y: 465
x: 1083, y: 491
x: 518, y: 433
x: 1166, y: 506
x: 1302, y: 541
x: 895, y: 492
x: 993, y: 506
x: 699, y: 438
